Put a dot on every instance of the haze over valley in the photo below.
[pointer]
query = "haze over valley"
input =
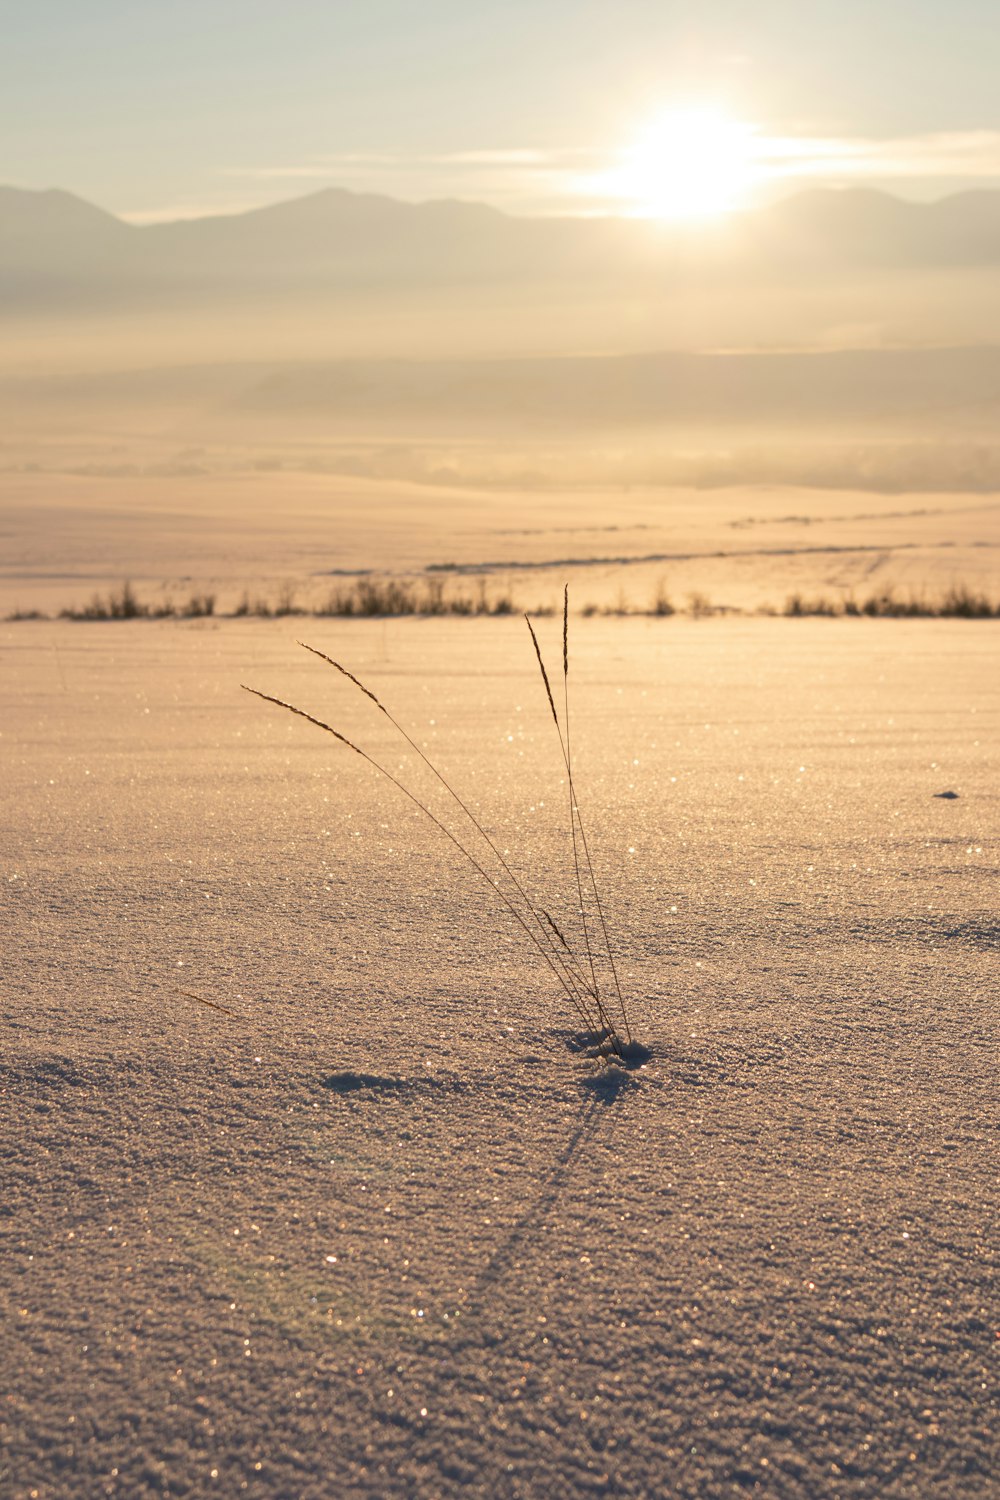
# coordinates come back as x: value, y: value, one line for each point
x: 788, y: 360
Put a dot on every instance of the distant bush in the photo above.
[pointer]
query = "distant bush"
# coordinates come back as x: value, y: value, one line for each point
x: 257, y: 607
x: 700, y: 606
x: 286, y: 602
x: 198, y: 606
x: 958, y: 602
x: 367, y: 597
x: 661, y: 603
x: 961, y: 602
x: 124, y: 604
x: 796, y: 605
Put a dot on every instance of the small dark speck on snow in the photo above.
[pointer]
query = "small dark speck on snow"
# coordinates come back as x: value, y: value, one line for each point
x: 348, y: 1083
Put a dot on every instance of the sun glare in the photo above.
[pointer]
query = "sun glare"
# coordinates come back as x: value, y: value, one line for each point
x: 691, y: 163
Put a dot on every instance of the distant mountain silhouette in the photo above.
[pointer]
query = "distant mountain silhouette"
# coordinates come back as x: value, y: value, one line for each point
x: 29, y: 218
x: 863, y: 227
x: 54, y: 237
x: 55, y: 248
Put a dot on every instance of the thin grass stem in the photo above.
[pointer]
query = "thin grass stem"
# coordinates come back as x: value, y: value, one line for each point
x: 568, y: 755
x: 604, y: 927
x: 576, y: 816
x: 568, y: 961
x: 575, y: 807
x: 602, y: 1010
x: 574, y: 998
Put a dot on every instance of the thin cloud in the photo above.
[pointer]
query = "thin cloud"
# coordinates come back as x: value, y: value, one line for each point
x: 349, y: 162
x: 958, y: 154
x: 172, y: 213
x: 515, y: 158
x: 532, y: 180
x: 522, y: 158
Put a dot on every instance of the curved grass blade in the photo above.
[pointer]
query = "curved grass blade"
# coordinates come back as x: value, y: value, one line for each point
x: 569, y: 961
x: 574, y: 999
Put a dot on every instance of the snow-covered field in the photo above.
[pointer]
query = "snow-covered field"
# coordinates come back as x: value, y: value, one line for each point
x: 381, y: 1232
x: 68, y: 533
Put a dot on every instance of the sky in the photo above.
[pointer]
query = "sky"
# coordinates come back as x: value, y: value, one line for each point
x: 156, y: 110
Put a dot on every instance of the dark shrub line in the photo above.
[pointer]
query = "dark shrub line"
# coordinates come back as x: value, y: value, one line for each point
x: 958, y: 602
x: 125, y: 605
x: 375, y: 598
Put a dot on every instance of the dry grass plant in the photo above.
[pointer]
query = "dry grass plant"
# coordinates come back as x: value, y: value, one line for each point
x: 598, y: 1006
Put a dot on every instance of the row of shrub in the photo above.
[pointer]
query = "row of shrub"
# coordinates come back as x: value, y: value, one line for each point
x: 372, y: 597
x: 367, y: 598
x: 958, y: 602
x: 126, y: 605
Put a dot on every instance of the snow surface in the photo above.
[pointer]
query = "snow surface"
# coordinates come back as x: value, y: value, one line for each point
x: 383, y: 1231
x: 238, y: 531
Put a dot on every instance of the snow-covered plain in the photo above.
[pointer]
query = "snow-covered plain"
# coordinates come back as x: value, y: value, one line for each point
x: 238, y: 531
x: 382, y: 1232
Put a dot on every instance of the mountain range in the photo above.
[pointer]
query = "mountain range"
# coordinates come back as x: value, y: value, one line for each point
x: 59, y: 252
x: 352, y: 314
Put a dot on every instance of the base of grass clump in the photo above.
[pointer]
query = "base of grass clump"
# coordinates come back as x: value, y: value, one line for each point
x: 609, y: 1046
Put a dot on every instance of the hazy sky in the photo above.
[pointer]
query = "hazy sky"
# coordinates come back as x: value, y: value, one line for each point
x: 153, y: 108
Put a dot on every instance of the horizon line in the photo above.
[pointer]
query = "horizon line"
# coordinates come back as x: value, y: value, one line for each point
x: 148, y: 219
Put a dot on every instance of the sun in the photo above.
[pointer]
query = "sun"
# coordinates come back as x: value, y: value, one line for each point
x: 692, y: 163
